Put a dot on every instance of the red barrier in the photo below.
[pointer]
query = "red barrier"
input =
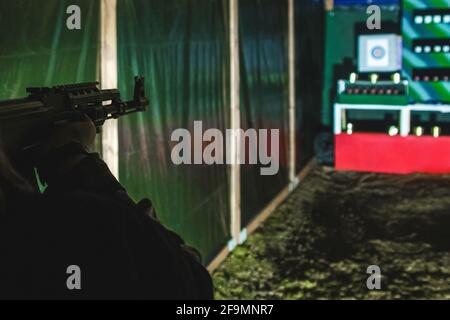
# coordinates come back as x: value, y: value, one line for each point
x: 383, y: 153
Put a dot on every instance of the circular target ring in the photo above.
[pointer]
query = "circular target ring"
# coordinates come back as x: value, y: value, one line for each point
x: 378, y: 52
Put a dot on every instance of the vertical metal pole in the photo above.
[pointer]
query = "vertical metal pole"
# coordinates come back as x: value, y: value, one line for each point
x: 108, y: 79
x: 291, y: 60
x: 235, y: 183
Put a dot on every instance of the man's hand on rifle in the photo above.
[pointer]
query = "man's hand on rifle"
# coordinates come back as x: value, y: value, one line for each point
x: 81, y: 131
x: 66, y: 147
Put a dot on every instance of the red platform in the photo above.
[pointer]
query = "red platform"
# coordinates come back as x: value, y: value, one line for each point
x: 383, y: 153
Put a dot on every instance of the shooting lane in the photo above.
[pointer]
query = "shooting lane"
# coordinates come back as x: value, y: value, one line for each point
x: 350, y: 103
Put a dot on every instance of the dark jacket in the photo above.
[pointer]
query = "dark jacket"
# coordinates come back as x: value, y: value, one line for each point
x: 86, y: 219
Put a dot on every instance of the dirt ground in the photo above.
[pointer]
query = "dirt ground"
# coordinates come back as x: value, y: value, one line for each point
x: 320, y: 241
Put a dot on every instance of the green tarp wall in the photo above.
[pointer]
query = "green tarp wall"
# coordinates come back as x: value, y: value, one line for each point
x: 37, y: 49
x: 181, y: 47
x: 263, y: 27
x: 309, y: 40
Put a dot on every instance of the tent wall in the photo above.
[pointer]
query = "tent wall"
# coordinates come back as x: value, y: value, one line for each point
x: 181, y: 47
x: 264, y: 94
x: 37, y: 49
x: 309, y: 35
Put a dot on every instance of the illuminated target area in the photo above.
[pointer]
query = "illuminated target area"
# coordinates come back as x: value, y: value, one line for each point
x: 397, y: 104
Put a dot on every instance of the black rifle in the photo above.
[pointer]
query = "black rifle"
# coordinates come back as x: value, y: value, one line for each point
x: 25, y: 123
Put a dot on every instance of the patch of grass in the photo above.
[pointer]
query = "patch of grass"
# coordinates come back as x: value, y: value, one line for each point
x: 320, y: 241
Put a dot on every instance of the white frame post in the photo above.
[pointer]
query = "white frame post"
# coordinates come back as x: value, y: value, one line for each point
x: 405, y: 122
x: 235, y: 174
x: 337, y: 119
x: 108, y: 79
x: 291, y: 60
